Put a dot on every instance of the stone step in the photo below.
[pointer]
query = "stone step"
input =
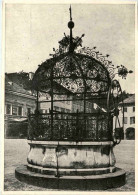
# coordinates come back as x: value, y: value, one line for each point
x: 90, y: 182
x: 65, y: 171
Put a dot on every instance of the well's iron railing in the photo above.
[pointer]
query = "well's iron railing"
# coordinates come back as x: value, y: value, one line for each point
x: 70, y: 126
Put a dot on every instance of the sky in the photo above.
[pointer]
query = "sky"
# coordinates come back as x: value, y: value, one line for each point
x: 33, y: 30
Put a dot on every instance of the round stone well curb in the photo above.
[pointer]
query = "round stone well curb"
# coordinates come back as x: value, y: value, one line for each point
x: 90, y: 182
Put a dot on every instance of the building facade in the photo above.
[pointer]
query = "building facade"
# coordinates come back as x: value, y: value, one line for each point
x: 129, y: 117
x: 68, y: 105
x: 18, y: 104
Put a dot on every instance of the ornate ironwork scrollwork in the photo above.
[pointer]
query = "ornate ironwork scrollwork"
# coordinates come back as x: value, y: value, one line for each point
x: 115, y: 107
x: 69, y: 127
x: 98, y: 56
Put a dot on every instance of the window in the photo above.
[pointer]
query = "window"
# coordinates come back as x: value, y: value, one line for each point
x: 125, y: 120
x: 75, y: 108
x: 68, y: 102
x: 14, y: 110
x: 40, y: 110
x: 28, y: 110
x: 20, y: 111
x: 132, y: 120
x: 125, y: 109
x: 81, y: 108
x: 134, y: 109
x: 62, y: 109
x: 67, y: 110
x: 43, y: 111
x: 8, y: 109
x: 56, y: 108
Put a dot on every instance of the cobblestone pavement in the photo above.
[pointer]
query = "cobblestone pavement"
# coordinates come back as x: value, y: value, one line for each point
x: 16, y: 151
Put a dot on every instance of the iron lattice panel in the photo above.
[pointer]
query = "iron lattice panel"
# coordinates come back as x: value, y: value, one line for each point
x: 77, y: 73
x: 71, y: 127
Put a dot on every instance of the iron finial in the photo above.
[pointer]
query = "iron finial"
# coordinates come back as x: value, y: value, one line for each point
x: 70, y: 13
x: 71, y: 23
x: 71, y: 26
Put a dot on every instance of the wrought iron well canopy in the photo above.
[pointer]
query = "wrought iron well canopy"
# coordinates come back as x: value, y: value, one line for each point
x: 77, y: 76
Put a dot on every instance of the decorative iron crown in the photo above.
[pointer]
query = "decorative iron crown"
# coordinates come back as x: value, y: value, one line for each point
x: 70, y: 44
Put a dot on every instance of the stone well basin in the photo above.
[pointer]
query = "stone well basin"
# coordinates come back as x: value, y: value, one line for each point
x: 71, y: 158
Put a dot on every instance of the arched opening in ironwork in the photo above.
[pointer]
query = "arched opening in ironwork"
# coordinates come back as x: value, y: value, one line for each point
x: 130, y: 133
x: 81, y: 82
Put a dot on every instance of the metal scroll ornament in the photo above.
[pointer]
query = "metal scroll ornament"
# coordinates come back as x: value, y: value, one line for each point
x: 116, y: 109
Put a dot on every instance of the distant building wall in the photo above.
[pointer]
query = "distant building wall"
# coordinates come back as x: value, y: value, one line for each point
x: 17, y: 107
x: 66, y: 106
x: 129, y: 118
x: 25, y: 102
x: 61, y: 106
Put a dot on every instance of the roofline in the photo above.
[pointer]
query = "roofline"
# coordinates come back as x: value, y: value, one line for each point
x: 127, y: 104
x: 133, y: 103
x: 21, y: 94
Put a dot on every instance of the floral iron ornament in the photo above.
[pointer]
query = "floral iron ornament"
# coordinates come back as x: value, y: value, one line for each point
x: 64, y: 46
x: 123, y: 71
x: 70, y: 44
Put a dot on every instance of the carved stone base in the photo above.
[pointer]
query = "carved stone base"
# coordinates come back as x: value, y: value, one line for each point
x: 71, y: 155
x: 71, y: 165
